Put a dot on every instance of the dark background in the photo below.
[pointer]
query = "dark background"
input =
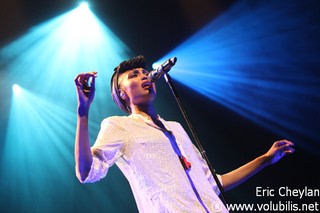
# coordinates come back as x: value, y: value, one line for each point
x: 153, y: 28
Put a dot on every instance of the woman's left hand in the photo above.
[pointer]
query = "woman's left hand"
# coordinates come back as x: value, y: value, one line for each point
x: 278, y: 150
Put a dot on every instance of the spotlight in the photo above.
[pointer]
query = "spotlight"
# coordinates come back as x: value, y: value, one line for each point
x: 16, y: 88
x: 84, y: 5
x: 156, y: 65
x: 238, y: 68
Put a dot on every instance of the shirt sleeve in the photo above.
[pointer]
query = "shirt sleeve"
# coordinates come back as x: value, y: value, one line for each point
x: 108, y: 147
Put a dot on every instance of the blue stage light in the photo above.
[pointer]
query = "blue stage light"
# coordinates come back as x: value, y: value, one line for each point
x: 84, y: 5
x: 260, y: 60
x: 156, y: 65
x: 51, y: 54
x: 39, y: 138
x: 16, y: 89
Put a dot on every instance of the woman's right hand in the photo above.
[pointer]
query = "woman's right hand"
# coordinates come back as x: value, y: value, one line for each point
x: 85, y: 85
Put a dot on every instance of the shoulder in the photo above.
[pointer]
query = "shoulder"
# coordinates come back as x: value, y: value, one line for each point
x: 174, y: 125
x: 114, y: 120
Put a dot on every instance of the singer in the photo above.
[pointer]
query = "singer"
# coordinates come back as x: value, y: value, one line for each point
x: 164, y: 169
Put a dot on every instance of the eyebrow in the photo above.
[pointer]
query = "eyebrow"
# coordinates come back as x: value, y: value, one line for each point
x: 136, y: 70
x: 145, y: 71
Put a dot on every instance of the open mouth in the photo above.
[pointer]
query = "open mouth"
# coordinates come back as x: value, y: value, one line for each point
x: 147, y: 85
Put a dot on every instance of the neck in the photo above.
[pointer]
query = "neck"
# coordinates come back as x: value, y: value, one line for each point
x: 145, y: 110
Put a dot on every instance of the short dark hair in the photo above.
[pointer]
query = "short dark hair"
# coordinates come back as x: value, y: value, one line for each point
x: 135, y: 62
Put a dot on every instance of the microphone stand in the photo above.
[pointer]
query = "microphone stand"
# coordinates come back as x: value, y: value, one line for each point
x: 202, y: 151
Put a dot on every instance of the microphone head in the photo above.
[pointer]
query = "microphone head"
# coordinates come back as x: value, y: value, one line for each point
x: 173, y: 60
x: 167, y: 65
x: 161, y: 70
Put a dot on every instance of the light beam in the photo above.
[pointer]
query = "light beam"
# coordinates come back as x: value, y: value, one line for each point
x: 37, y: 160
x: 260, y: 60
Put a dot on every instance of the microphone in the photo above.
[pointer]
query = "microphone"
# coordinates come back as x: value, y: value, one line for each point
x: 161, y: 70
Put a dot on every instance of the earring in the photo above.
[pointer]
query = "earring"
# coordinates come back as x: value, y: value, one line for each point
x: 123, y: 95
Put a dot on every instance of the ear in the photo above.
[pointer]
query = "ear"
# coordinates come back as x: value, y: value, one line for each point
x: 123, y: 95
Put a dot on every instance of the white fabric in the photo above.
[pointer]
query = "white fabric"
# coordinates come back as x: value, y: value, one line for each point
x: 145, y: 156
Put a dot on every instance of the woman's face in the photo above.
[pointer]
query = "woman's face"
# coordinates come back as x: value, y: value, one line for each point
x: 136, y: 86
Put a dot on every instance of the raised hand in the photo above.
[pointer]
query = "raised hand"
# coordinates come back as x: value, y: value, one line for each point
x: 85, y: 85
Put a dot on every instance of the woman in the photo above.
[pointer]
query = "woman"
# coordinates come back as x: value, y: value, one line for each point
x: 164, y: 169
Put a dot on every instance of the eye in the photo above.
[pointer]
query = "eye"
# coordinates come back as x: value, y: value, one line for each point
x: 145, y: 72
x: 132, y: 75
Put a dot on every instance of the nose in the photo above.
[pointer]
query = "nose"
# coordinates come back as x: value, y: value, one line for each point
x: 145, y: 76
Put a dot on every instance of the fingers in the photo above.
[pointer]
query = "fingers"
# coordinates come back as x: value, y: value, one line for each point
x: 83, y: 79
x: 285, y: 146
x: 281, y: 143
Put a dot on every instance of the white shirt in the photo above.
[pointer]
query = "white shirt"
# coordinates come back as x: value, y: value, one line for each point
x: 147, y: 158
